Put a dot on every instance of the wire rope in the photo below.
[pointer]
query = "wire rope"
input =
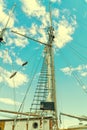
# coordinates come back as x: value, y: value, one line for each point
x: 82, y: 58
x: 74, y: 74
x: 28, y: 89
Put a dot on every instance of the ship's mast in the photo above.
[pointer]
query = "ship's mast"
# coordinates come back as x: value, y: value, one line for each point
x: 46, y: 83
x: 51, y: 78
x: 50, y: 63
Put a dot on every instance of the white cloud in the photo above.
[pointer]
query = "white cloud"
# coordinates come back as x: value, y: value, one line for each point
x: 5, y: 56
x: 43, y: 36
x: 59, y: 1
x: 85, y: 0
x: 84, y: 74
x: 2, y: 14
x: 19, y: 61
x: 55, y: 13
x: 1, y: 79
x: 18, y: 80
x: 5, y: 15
x: 8, y: 36
x: 81, y: 69
x: 33, y: 8
x: 84, y: 87
x: 18, y: 40
x: 67, y: 70
x: 0, y: 54
x: 33, y: 29
x: 53, y: 0
x: 9, y: 101
x: 64, y: 33
x: 38, y: 32
x: 64, y: 30
x: 45, y: 20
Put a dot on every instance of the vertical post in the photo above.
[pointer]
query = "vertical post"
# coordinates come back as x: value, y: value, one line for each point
x: 27, y: 126
x: 54, y: 87
x: 51, y: 66
x: 13, y: 127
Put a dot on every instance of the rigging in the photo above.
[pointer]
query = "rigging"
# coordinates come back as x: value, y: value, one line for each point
x: 2, y: 32
x: 74, y: 74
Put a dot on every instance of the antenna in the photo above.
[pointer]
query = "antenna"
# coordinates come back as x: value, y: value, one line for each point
x: 50, y: 13
x: 50, y: 29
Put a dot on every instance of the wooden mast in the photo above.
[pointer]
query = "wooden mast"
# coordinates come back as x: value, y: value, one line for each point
x: 50, y: 64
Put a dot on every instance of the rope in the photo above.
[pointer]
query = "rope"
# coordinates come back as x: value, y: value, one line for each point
x: 28, y: 89
x: 78, y: 54
x: 75, y: 75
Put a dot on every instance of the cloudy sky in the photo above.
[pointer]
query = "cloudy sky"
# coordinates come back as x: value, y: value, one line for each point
x: 69, y: 19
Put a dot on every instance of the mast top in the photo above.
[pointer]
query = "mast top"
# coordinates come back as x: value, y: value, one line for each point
x: 50, y: 29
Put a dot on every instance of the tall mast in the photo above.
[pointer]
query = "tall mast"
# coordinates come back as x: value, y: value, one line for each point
x: 50, y: 58
x: 44, y: 101
x: 51, y: 78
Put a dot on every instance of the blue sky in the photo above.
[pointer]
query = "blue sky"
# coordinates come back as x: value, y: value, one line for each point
x: 69, y: 19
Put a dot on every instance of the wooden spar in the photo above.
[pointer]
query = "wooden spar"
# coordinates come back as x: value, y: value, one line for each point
x: 77, y: 117
x: 28, y: 37
x: 19, y: 113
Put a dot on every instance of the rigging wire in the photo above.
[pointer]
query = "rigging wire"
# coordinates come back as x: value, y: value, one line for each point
x: 37, y: 90
x: 27, y: 91
x: 79, y: 45
x: 78, y: 13
x: 27, y: 62
x: 10, y: 14
x: 78, y: 54
x: 33, y: 72
x: 28, y: 88
x: 22, y: 65
x: 5, y: 27
x: 6, y: 16
x: 74, y: 74
x: 14, y: 91
x: 3, y: 20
